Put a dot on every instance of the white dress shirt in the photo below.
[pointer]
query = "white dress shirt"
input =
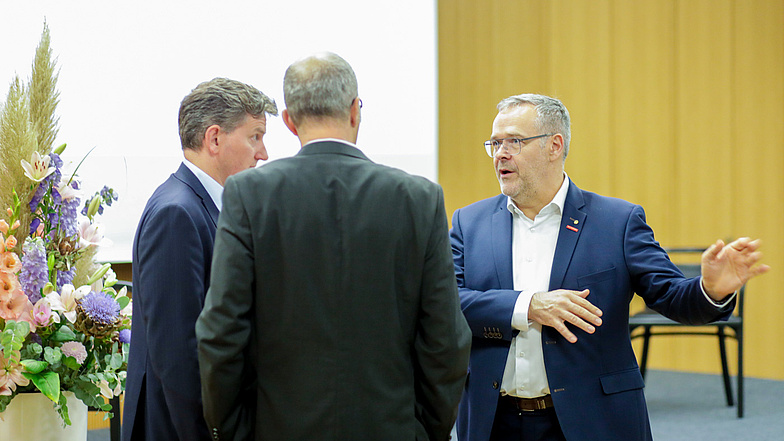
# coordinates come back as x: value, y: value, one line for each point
x: 214, y: 189
x: 533, y: 249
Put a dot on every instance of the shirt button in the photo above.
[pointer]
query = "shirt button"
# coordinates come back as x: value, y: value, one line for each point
x: 533, y: 229
x: 522, y: 354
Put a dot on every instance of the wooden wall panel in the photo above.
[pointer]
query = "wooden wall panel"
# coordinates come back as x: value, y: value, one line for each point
x: 758, y: 170
x: 677, y: 106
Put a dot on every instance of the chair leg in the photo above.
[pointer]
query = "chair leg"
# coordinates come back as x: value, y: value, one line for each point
x: 739, y: 335
x: 646, y: 336
x: 114, y: 422
x: 724, y: 368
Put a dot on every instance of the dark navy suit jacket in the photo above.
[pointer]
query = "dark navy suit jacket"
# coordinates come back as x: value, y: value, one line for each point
x: 172, y: 256
x: 595, y: 383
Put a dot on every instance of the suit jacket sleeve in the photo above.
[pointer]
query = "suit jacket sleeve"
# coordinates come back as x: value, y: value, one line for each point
x: 224, y: 326
x: 443, y: 340
x: 660, y: 283
x: 488, y: 312
x: 172, y: 266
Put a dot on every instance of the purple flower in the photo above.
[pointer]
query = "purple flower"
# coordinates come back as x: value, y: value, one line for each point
x: 34, y: 273
x: 65, y: 277
x: 125, y: 336
x: 100, y: 307
x: 34, y: 225
x: 40, y: 191
x: 74, y: 349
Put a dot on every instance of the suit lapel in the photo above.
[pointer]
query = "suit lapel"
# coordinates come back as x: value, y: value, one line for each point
x: 501, y: 238
x: 188, y: 178
x: 572, y: 224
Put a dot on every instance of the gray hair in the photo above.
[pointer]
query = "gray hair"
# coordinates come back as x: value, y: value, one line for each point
x: 319, y: 86
x: 552, y: 116
x: 221, y: 102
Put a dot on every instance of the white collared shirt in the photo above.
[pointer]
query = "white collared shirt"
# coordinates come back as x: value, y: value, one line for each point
x: 533, y: 250
x: 214, y: 189
x: 342, y: 141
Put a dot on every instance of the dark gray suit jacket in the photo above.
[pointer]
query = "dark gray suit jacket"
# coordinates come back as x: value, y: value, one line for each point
x: 333, y: 311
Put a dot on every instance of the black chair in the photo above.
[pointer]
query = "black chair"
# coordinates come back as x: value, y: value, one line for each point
x: 652, y: 323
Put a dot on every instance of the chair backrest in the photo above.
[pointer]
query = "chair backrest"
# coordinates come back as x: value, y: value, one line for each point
x: 694, y: 270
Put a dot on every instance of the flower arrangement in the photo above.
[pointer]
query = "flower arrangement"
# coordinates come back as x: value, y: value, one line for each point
x: 63, y: 326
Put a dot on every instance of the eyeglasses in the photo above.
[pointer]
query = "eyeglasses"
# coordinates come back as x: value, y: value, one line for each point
x: 360, y: 102
x: 511, y: 145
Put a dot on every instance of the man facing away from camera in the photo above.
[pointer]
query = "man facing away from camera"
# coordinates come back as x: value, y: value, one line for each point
x: 333, y: 292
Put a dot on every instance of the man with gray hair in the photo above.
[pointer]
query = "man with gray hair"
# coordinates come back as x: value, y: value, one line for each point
x: 333, y: 292
x: 222, y: 123
x: 546, y: 272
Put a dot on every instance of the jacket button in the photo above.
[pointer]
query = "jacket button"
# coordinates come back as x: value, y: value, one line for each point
x: 495, y: 385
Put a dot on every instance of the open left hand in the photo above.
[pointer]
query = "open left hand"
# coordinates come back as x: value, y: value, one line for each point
x: 725, y: 268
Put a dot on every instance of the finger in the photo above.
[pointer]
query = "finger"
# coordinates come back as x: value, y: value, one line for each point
x: 740, y: 243
x: 584, y: 293
x: 580, y: 323
x: 713, y: 250
x: 588, y: 306
x: 587, y: 315
x: 759, y: 270
x: 564, y: 331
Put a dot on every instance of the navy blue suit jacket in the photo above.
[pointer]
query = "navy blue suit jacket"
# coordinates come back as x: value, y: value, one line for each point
x: 172, y: 256
x: 595, y: 383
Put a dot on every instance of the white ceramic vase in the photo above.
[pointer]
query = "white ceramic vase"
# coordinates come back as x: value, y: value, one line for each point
x: 31, y: 417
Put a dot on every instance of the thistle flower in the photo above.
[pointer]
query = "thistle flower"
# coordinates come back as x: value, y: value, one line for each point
x: 74, y: 349
x: 97, y: 314
x: 35, y: 272
x: 124, y: 336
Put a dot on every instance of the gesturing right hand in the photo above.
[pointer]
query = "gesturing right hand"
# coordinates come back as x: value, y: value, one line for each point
x: 555, y: 308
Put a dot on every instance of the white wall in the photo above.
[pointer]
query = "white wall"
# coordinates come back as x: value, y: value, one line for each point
x: 125, y: 67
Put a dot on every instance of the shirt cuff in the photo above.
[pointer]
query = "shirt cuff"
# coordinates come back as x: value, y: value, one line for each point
x: 520, y: 314
x: 702, y: 288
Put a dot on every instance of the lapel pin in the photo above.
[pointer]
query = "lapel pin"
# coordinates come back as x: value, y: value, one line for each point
x: 569, y: 227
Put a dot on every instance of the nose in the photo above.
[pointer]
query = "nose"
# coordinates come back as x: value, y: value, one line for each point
x: 261, y: 152
x: 502, y: 152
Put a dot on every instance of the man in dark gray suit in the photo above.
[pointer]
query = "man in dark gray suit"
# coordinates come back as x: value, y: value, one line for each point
x: 333, y: 311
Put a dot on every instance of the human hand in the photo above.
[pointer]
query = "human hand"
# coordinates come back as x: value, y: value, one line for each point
x: 725, y: 268
x: 556, y: 308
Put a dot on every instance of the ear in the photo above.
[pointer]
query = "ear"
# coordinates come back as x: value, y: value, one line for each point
x: 289, y: 122
x: 355, y: 113
x: 211, y: 141
x: 556, y: 147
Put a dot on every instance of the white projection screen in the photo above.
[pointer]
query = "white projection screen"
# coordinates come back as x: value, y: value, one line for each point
x: 125, y: 67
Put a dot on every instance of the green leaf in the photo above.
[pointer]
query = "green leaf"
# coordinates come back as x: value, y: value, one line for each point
x: 47, y: 382
x: 123, y: 301
x: 90, y: 394
x: 117, y: 361
x: 53, y: 355
x: 34, y: 366
x: 62, y: 409
x: 64, y: 334
x: 71, y: 363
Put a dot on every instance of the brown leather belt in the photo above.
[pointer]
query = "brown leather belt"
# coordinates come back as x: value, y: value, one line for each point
x: 529, y: 404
